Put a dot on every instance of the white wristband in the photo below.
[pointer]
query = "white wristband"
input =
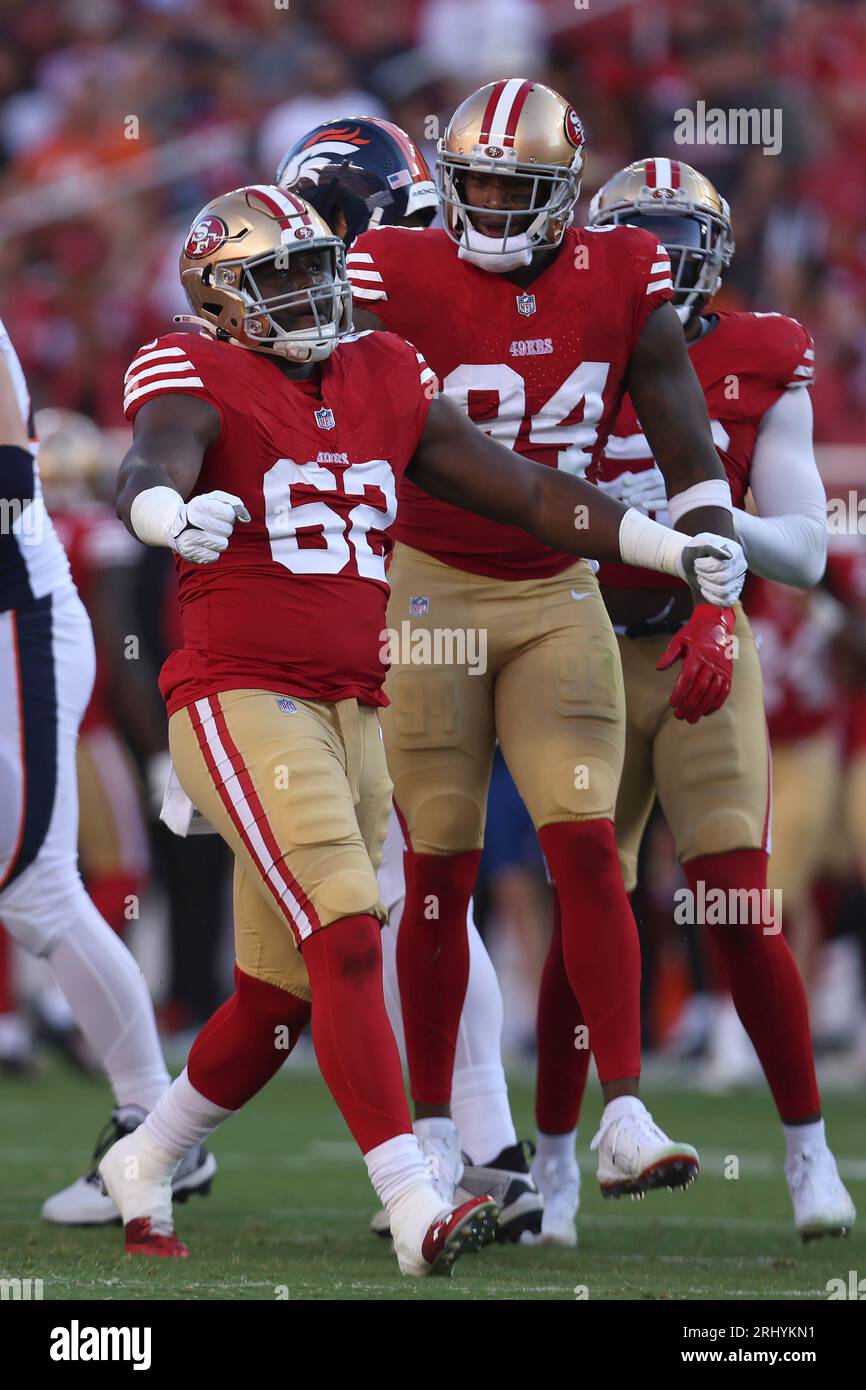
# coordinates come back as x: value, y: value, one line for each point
x: 645, y: 543
x: 153, y: 513
x: 712, y: 492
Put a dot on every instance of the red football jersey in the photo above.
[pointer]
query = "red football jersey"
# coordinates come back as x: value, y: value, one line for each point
x: 801, y: 692
x: 744, y: 363
x: 296, y: 604
x: 541, y: 370
x: 95, y: 541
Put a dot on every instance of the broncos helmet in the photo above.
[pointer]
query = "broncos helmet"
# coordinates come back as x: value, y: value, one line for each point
x: 366, y: 168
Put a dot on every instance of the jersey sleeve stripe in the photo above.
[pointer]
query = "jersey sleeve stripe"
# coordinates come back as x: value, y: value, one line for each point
x: 184, y: 366
x: 364, y: 275
x: 809, y: 354
x: 181, y: 383
x: 152, y: 356
x: 659, y: 265
x: 659, y: 285
x: 362, y: 258
x: 359, y: 293
x: 427, y: 375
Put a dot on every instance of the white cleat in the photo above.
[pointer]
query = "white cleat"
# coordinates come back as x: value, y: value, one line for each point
x: 137, y: 1174
x: 440, y: 1145
x: 558, y: 1181
x: 428, y: 1240
x: 84, y: 1203
x: 822, y: 1206
x: 635, y: 1156
x: 444, y: 1163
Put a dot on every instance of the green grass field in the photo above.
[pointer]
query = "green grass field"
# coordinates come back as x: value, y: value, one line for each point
x: 291, y: 1202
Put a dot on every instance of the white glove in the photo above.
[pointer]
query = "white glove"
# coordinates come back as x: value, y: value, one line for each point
x: 201, y: 528
x: 645, y: 491
x: 714, y: 566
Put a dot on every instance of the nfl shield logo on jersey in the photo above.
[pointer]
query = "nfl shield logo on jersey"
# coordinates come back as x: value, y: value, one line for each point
x: 325, y: 418
x: 526, y: 304
x: 419, y: 607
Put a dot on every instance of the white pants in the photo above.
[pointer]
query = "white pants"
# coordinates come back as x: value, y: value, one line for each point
x: 47, y: 669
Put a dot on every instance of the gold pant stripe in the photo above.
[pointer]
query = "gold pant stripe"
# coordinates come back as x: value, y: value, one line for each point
x: 244, y: 807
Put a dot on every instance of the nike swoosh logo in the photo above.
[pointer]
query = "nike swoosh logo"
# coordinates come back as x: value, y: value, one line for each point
x: 576, y: 595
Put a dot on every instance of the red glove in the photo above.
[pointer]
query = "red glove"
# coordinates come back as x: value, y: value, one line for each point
x: 704, y: 683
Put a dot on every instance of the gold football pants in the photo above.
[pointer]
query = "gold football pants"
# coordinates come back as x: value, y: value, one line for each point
x: 300, y: 791
x: 533, y: 663
x: 712, y: 778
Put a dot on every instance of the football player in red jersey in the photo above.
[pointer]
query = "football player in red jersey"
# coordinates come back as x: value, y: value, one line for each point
x: 534, y: 329
x: 712, y: 779
x: 277, y: 417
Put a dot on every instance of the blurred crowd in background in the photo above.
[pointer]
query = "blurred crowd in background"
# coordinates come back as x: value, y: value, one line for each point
x: 119, y: 119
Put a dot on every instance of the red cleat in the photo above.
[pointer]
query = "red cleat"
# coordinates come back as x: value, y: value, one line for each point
x: 468, y: 1227
x: 141, y: 1239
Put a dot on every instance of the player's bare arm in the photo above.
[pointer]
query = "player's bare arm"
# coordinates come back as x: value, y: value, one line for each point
x: 458, y: 463
x: 172, y: 435
x: 670, y: 405
x: 170, y: 438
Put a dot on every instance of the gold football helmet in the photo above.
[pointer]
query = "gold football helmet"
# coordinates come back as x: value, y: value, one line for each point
x: 71, y: 457
x: 683, y: 209
x: 523, y: 129
x: 253, y: 232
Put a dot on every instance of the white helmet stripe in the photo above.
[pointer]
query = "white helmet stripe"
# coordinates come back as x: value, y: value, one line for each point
x: 276, y: 195
x: 664, y: 173
x: 499, y: 123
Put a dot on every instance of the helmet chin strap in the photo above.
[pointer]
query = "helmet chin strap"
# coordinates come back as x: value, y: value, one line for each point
x: 292, y: 352
x: 193, y: 318
x: 474, y: 248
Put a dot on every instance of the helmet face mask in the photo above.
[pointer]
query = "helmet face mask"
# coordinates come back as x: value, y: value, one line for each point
x: 554, y: 192
x: 512, y: 129
x: 268, y: 318
x: 240, y: 298
x: 692, y: 221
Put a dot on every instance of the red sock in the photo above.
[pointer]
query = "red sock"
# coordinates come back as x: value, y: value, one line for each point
x: 765, y: 984
x: 239, y: 1049
x: 110, y: 894
x: 563, y: 1066
x: 355, y: 1047
x: 8, y: 1002
x: 433, y: 966
x: 599, y: 940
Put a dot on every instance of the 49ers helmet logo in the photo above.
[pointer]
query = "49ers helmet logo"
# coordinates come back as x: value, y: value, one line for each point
x: 206, y: 236
x: 573, y: 128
